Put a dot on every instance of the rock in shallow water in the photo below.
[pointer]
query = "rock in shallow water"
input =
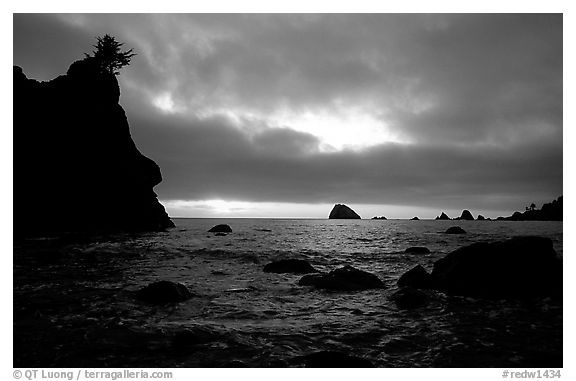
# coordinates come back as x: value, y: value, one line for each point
x: 330, y: 359
x: 222, y: 228
x: 164, y: 292
x: 345, y: 278
x: 409, y: 298
x: 455, y: 230
x: 518, y: 267
x: 416, y: 277
x: 295, y: 266
x: 417, y: 250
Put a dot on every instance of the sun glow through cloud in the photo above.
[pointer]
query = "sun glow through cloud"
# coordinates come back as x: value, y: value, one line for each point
x: 345, y: 129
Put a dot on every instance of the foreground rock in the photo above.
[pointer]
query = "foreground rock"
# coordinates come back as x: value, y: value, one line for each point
x: 416, y: 277
x: 343, y: 212
x: 443, y: 216
x: 163, y: 292
x: 409, y: 298
x: 455, y: 230
x: 417, y: 250
x: 222, y: 228
x: 345, y: 278
x: 329, y: 359
x: 76, y: 167
x: 518, y: 267
x: 522, y: 266
x: 295, y: 266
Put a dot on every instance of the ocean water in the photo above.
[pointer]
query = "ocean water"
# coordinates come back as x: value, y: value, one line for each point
x: 74, y: 299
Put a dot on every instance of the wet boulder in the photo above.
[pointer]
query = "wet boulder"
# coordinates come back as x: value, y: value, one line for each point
x: 409, y: 298
x: 332, y: 359
x: 345, y: 278
x: 416, y: 277
x: 455, y: 230
x: 222, y: 228
x: 341, y: 211
x: 518, y: 267
x: 164, y: 292
x: 417, y: 250
x: 294, y: 266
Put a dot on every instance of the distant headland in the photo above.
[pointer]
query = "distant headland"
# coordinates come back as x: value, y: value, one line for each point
x: 549, y: 212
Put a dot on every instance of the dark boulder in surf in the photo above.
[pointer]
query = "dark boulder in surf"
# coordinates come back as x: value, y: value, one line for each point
x: 294, y: 266
x: 518, y: 267
x: 417, y: 250
x: 480, y: 218
x: 222, y: 228
x: 343, y: 212
x: 416, y: 277
x: 332, y: 359
x: 455, y: 230
x: 409, y: 298
x: 345, y: 278
x: 164, y: 292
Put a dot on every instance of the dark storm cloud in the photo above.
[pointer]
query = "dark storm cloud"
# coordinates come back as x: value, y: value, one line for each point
x: 213, y: 159
x: 477, y: 99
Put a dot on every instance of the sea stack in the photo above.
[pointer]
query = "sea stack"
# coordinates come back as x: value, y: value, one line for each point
x: 443, y: 216
x: 341, y: 211
x: 466, y: 215
x: 76, y: 167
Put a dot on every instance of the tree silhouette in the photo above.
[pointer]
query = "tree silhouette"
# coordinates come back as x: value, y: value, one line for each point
x: 109, y: 56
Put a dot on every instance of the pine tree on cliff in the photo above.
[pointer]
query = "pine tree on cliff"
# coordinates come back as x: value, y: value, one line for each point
x: 109, y: 55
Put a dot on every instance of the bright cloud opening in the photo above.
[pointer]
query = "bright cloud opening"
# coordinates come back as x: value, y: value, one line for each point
x: 165, y: 103
x: 350, y: 129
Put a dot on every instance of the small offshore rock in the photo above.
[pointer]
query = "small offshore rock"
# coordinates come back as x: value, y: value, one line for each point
x: 163, y: 292
x: 455, y: 230
x: 295, y: 266
x: 222, y: 228
x: 417, y: 250
x: 414, y: 219
x: 332, y: 359
x: 345, y: 278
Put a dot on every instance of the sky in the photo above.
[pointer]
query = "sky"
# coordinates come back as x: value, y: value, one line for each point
x: 285, y: 115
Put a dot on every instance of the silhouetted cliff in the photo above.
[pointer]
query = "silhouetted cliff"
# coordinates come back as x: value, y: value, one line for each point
x: 549, y: 212
x: 76, y: 167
